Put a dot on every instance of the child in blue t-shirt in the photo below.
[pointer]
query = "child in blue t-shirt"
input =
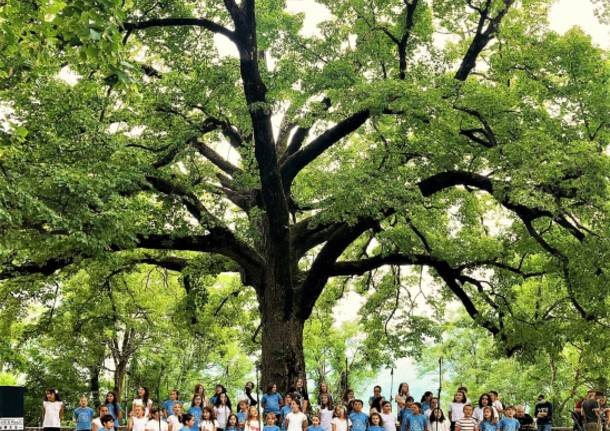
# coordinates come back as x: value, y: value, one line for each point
x: 270, y: 425
x: 488, y: 423
x: 285, y: 410
x: 114, y: 408
x: 168, y: 405
x: 415, y: 421
x: 359, y: 419
x: 315, y: 424
x: 508, y: 422
x: 375, y: 422
x: 406, y: 413
x: 83, y: 415
x: 196, y: 410
x: 271, y: 401
x: 232, y: 423
x: 242, y: 414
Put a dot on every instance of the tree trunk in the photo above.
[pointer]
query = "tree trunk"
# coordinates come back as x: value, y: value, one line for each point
x: 119, y: 376
x: 94, y: 385
x: 282, y: 359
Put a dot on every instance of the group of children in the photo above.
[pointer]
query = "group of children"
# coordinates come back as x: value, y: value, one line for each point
x: 292, y: 412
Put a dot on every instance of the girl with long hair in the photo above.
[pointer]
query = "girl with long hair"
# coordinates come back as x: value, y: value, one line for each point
x: 208, y: 420
x: 341, y: 422
x: 437, y: 420
x: 143, y: 399
x: 114, y: 408
x: 401, y: 396
x: 326, y: 412
x: 323, y: 390
x: 200, y: 390
x: 196, y: 409
x: 52, y: 410
x: 252, y: 423
x: 222, y: 410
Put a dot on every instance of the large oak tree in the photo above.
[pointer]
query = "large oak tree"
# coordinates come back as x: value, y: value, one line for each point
x: 458, y: 135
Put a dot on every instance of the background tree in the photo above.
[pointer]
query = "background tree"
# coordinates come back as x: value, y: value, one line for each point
x: 472, y: 360
x: 311, y: 157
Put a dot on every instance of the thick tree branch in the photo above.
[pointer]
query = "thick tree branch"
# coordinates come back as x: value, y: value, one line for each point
x: 295, y: 163
x: 215, y: 158
x: 228, y: 130
x: 450, y: 276
x: 284, y: 133
x: 300, y: 134
x: 181, y: 22
x: 188, y: 199
x: 272, y: 191
x: 219, y: 240
x: 482, y: 37
x: 444, y: 180
x: 304, y: 237
x: 46, y: 268
x: 319, y: 272
x: 410, y: 7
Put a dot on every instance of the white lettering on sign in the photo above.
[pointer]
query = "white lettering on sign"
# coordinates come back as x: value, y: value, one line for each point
x: 7, y: 424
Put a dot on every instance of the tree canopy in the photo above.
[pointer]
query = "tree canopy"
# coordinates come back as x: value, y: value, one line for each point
x: 344, y: 156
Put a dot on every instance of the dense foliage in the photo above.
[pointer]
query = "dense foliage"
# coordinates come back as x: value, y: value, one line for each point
x: 564, y: 375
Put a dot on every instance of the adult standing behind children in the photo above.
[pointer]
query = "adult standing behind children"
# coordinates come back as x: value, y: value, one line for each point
x: 322, y: 391
x: 496, y: 403
x: 200, y: 390
x: 300, y: 395
x: 143, y: 399
x: 484, y: 401
x: 219, y: 389
x: 591, y: 411
x: 375, y: 400
x: 544, y: 414
x: 248, y: 395
x: 401, y: 396
x: 526, y: 422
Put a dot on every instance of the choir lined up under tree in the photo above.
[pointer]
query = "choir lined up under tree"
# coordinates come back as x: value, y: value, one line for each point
x: 294, y: 412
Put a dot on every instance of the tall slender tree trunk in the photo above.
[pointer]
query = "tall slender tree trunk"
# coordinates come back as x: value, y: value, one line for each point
x: 94, y: 385
x: 119, y: 377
